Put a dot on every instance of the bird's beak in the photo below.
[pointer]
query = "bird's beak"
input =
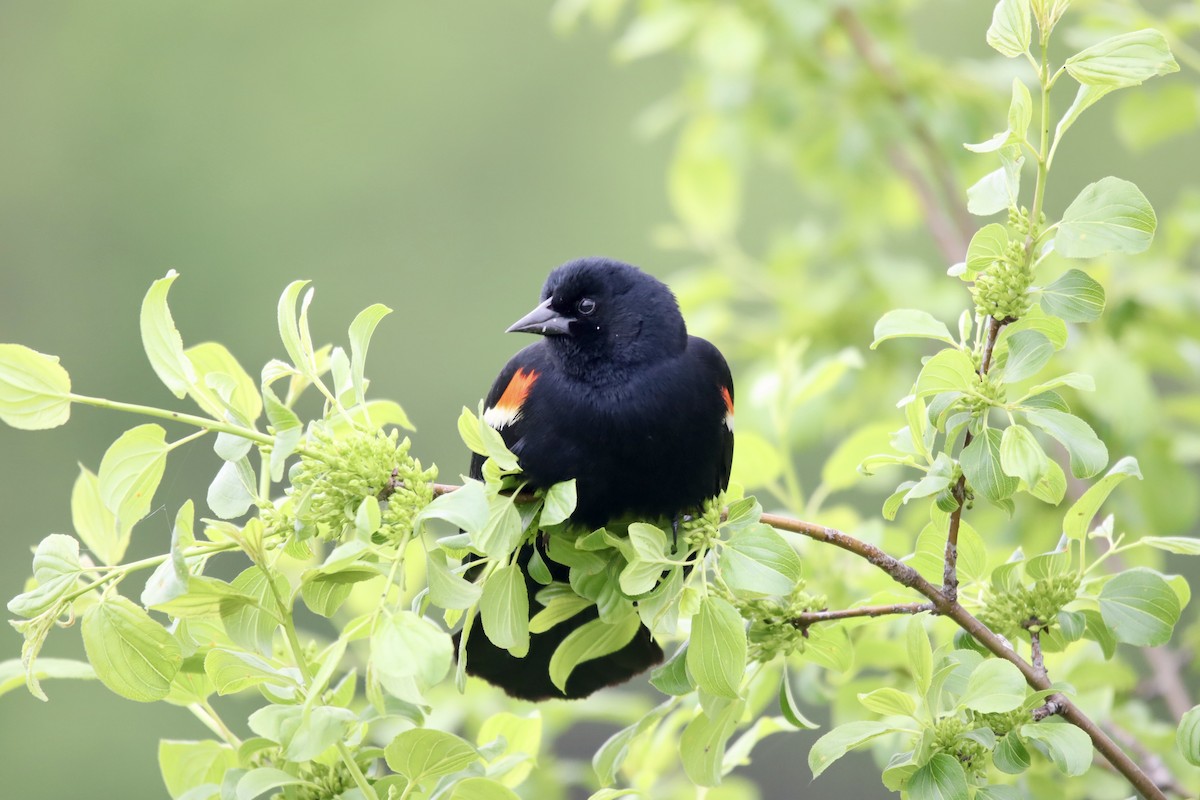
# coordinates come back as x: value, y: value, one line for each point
x: 543, y: 320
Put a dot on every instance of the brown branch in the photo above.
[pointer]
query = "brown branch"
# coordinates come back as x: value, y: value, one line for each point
x: 1166, y: 679
x: 950, y: 210
x: 907, y: 576
x: 802, y: 621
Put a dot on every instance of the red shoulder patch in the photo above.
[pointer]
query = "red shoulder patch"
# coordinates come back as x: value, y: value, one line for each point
x: 728, y: 399
x: 508, y: 408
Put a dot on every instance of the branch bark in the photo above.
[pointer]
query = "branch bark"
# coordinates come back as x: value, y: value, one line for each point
x: 802, y: 621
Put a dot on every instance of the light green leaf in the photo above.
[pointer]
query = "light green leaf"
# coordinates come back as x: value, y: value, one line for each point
x: 481, y: 789
x: 1068, y: 746
x: 835, y: 744
x: 590, y: 640
x: 760, y: 561
x: 263, y: 779
x: 950, y: 370
x: 34, y: 389
x: 1085, y: 98
x: 231, y: 493
x: 94, y: 524
x: 1074, y: 296
x: 1124, y: 60
x: 559, y: 502
x: 162, y: 342
x: 423, y: 755
x: 1140, y: 607
x: 1182, y: 545
x: 997, y: 190
x: 1010, y: 29
x: 132, y: 654
x: 1011, y: 756
x: 289, y: 329
x: 702, y: 743
x: 361, y: 330
x: 131, y: 470
x: 703, y: 183
x: 232, y: 671
x: 213, y: 361
x: 1028, y: 352
x: 1020, y: 110
x: 920, y: 653
x: 446, y: 589
x: 1021, y: 456
x: 902, y: 322
x: 411, y: 654
x: 1088, y: 453
x: 504, y: 609
x: 1076, y: 380
x: 1052, y: 328
x: 941, y: 778
x: 888, y: 701
x: 169, y: 579
x: 503, y: 531
x: 1187, y: 737
x: 980, y: 461
x: 205, y: 597
x: 655, y: 30
x: 465, y: 508
x: 790, y: 708
x: 994, y: 686
x: 251, y: 626
x: 1078, y: 519
x: 1108, y: 216
x: 12, y: 671
x: 560, y: 608
x: 187, y: 764
x: 988, y: 245
x: 716, y: 655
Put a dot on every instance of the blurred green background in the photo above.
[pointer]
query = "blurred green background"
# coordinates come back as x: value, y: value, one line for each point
x: 436, y: 157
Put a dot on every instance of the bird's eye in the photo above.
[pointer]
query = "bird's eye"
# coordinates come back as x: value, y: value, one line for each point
x: 586, y: 306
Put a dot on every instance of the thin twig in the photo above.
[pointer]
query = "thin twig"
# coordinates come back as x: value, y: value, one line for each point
x: 802, y: 621
x: 907, y: 576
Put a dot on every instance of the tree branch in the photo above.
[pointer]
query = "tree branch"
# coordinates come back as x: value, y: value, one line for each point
x: 802, y: 621
x: 907, y: 576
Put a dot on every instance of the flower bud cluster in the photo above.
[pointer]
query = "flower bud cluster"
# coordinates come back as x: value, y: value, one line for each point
x: 330, y: 484
x: 1001, y: 290
x: 1010, y: 611
x: 701, y: 530
x: 772, y: 631
x: 948, y: 738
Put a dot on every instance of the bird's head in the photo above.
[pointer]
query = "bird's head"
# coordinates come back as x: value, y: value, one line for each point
x: 601, y: 317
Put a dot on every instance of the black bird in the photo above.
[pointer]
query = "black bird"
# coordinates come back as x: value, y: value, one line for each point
x: 618, y: 396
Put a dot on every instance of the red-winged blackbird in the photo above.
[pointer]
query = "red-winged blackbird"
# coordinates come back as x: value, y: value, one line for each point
x: 618, y: 396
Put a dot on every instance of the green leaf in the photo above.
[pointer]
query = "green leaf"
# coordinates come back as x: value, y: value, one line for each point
x: 1020, y: 110
x: 790, y: 708
x: 760, y: 561
x: 410, y: 654
x: 1010, y: 29
x: 988, y: 245
x: 590, y: 640
x: 994, y: 686
x: 446, y: 589
x: 1011, y: 756
x: 1052, y: 328
x: 1022, y: 457
x: 888, y: 701
x: 131, y: 470
x: 941, y: 778
x: 232, y: 671
x: 1074, y: 297
x: 251, y: 626
x: 559, y: 502
x: 423, y: 755
x: 232, y: 491
x: 263, y: 779
x: 164, y: 347
x: 12, y: 671
x: 503, y: 530
x: 94, y: 524
x: 205, y: 597
x: 34, y: 389
x: 950, y: 370
x: 1088, y: 453
x: 835, y: 744
x: 611, y: 755
x: 187, y: 764
x: 303, y: 732
x: 361, y: 330
x: 1085, y: 98
x: 902, y: 322
x: 716, y: 655
x: 655, y: 30
x: 1182, y: 545
x: 920, y: 653
x: 481, y: 789
x: 1124, y: 60
x: 1028, y: 352
x: 703, y: 183
x: 1187, y: 738
x: 289, y: 328
x: 132, y: 654
x: 504, y: 609
x: 1108, y: 216
x: 465, y: 508
x: 702, y: 743
x: 1140, y: 607
x: 1068, y: 747
x: 997, y: 190
x: 1078, y: 519
x: 980, y: 461
x: 215, y: 365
